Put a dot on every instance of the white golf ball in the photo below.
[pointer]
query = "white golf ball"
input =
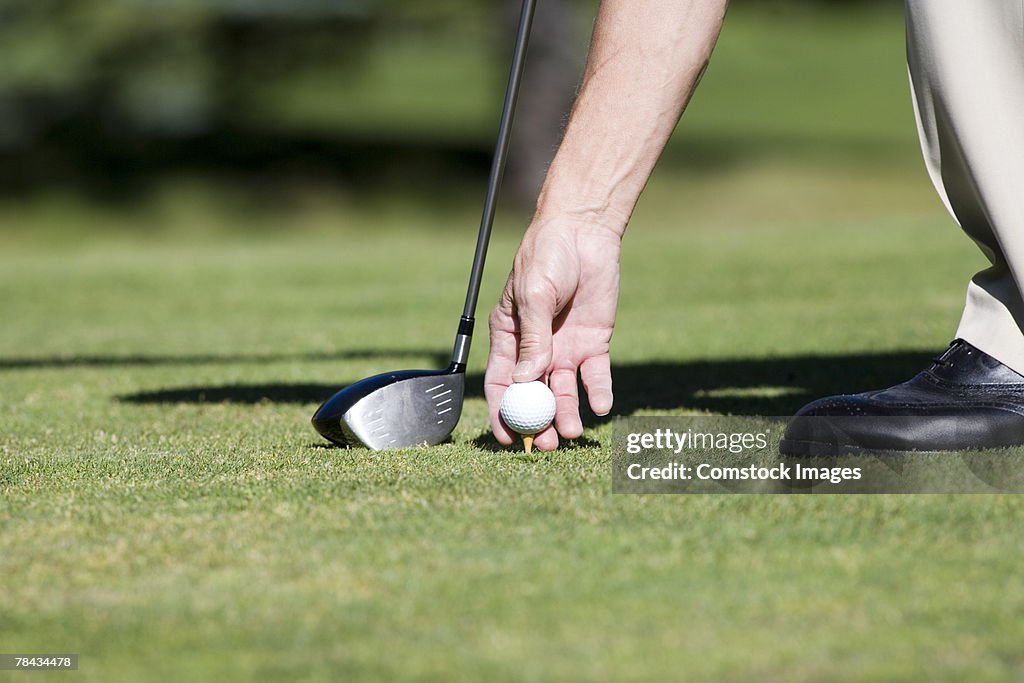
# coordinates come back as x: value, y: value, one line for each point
x: 528, y: 407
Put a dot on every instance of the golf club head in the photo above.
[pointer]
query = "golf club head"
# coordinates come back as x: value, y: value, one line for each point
x: 394, y: 409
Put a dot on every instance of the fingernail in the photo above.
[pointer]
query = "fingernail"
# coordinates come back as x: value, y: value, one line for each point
x: 524, y: 372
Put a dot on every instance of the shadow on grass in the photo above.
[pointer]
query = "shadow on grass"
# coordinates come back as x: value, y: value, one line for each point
x: 769, y: 386
x: 430, y: 358
x: 487, y: 442
x: 238, y: 393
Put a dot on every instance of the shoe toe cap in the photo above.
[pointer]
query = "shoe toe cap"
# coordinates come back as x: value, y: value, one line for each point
x: 847, y: 405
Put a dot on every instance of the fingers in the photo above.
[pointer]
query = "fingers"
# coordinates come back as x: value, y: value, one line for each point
x: 535, y: 309
x: 534, y: 349
x: 496, y: 380
x: 500, y: 361
x: 494, y: 391
x: 596, y: 373
x: 546, y: 440
x: 538, y: 298
x: 567, y: 403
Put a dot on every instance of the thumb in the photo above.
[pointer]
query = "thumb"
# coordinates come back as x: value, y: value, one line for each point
x: 535, y: 320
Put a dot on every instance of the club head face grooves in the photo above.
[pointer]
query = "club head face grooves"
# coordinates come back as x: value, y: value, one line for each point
x: 398, y: 409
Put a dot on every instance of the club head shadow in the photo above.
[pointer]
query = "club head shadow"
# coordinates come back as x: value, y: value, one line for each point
x: 394, y: 409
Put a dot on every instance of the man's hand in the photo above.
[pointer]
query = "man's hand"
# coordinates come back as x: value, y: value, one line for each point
x: 558, y: 308
x: 555, y: 319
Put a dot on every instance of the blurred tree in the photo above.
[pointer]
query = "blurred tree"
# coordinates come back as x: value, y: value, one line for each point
x: 553, y: 68
x: 148, y: 67
x: 101, y: 84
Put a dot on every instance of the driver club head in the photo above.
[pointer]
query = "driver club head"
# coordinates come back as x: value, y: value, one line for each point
x: 394, y: 409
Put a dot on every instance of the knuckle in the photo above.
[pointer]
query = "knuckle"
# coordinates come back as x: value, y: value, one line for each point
x: 495, y: 318
x: 536, y: 292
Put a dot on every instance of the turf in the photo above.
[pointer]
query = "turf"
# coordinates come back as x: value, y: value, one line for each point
x: 167, y: 512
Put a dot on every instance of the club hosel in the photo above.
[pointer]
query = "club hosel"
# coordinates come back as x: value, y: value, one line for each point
x: 460, y: 354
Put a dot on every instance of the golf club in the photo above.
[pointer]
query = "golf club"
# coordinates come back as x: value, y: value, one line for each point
x: 422, y: 407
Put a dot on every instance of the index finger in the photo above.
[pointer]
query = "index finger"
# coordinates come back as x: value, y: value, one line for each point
x: 501, y: 359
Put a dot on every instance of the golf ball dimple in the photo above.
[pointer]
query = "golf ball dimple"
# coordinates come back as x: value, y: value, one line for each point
x: 528, y: 407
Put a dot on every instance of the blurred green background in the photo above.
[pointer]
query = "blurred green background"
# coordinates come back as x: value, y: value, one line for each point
x: 117, y: 100
x: 145, y: 125
x: 111, y: 98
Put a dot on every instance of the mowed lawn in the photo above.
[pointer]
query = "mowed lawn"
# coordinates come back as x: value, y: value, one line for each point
x: 167, y: 512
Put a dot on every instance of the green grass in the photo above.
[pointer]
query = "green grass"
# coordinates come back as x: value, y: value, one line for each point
x: 167, y: 512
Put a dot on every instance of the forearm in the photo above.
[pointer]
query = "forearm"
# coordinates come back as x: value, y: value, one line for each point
x: 645, y: 61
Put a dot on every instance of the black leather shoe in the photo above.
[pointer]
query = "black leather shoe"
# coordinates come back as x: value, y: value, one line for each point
x: 965, y: 400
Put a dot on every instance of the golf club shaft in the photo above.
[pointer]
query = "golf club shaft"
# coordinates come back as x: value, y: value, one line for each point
x: 460, y: 355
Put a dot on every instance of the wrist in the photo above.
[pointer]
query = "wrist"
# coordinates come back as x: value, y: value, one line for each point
x: 569, y: 211
x: 591, y: 199
x: 578, y: 220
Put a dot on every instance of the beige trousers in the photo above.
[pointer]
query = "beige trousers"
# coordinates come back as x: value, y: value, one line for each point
x: 966, y: 61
